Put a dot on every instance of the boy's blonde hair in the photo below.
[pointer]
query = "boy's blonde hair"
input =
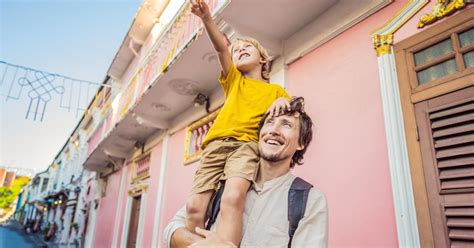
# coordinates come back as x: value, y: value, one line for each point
x: 266, y: 67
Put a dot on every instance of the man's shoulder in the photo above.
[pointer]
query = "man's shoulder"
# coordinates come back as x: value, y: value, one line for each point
x: 315, y: 194
x: 316, y: 199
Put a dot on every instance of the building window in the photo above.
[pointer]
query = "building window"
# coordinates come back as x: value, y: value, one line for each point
x: 141, y: 168
x: 45, y: 184
x: 442, y: 57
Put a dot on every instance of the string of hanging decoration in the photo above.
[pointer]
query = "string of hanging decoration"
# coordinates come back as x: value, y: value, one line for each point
x: 40, y: 87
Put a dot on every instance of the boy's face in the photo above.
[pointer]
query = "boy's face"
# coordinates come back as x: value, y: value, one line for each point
x: 245, y: 56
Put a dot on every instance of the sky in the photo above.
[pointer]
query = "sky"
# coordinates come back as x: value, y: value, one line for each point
x: 73, y: 39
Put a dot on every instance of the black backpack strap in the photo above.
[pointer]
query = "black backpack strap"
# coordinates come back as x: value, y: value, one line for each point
x: 297, y: 198
x: 214, y: 207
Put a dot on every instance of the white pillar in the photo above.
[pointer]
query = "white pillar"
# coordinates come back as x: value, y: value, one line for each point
x: 403, y: 199
x: 159, y: 198
x: 67, y: 218
x: 119, y: 213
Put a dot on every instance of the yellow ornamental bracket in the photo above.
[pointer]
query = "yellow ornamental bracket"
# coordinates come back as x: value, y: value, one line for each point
x: 383, y: 43
x: 442, y: 9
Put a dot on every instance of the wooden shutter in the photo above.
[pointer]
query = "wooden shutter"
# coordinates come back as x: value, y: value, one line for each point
x: 446, y: 130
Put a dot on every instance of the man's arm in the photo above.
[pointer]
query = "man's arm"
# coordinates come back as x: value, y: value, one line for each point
x: 201, y: 9
x: 182, y: 237
x: 312, y: 229
x: 175, y: 233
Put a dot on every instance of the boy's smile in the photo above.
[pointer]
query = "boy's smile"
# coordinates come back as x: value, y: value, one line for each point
x: 246, y: 57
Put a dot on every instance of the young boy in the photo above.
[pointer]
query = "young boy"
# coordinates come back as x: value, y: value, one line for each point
x: 230, y: 147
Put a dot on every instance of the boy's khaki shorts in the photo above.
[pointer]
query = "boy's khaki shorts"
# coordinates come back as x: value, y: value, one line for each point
x: 223, y: 159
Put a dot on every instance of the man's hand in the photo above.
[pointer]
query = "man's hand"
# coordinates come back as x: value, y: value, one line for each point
x: 211, y: 239
x: 200, y: 9
x: 279, y: 106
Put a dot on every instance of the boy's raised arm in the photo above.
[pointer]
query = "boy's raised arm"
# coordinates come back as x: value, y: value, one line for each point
x: 201, y: 9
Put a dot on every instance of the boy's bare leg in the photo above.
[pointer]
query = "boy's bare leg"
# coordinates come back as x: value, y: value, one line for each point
x: 232, y: 209
x: 196, y: 207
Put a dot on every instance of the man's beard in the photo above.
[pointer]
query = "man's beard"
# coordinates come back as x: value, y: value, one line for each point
x: 274, y: 157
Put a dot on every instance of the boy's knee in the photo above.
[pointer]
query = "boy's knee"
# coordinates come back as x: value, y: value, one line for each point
x: 194, y: 207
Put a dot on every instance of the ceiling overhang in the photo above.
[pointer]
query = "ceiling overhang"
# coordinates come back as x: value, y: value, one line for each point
x: 144, y: 21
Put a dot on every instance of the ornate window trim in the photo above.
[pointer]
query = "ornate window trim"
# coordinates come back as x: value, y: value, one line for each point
x: 190, y: 155
x: 143, y: 158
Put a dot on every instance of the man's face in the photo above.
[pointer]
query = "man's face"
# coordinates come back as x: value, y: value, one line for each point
x: 279, y: 137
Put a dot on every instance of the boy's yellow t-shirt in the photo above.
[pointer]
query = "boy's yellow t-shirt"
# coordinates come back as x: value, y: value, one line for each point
x: 246, y: 101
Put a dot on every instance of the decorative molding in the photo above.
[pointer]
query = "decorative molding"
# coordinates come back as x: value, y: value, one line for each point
x: 402, y: 189
x: 141, y: 168
x: 138, y: 189
x: 383, y: 43
x: 442, y: 9
x: 191, y: 153
x: 383, y: 36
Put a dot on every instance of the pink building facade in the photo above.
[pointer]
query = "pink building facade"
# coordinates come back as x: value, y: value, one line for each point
x: 364, y: 156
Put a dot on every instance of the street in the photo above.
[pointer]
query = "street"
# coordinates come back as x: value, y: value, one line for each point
x: 11, y: 235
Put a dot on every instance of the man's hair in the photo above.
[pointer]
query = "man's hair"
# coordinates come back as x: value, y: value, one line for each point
x: 266, y: 67
x: 306, y: 128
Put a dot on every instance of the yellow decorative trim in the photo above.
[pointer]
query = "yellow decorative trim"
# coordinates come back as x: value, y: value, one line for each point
x: 189, y: 158
x: 130, y: 91
x: 134, y: 165
x: 383, y: 44
x: 441, y: 9
x: 383, y: 39
x: 138, y: 190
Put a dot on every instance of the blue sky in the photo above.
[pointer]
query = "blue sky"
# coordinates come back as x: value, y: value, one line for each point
x: 77, y: 39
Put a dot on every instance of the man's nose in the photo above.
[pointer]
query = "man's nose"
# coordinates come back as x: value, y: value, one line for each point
x: 274, y: 130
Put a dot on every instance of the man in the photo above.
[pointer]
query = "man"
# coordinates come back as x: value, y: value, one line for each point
x: 283, y: 140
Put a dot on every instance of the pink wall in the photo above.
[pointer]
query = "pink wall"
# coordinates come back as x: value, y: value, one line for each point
x: 348, y: 156
x: 106, y: 214
x: 347, y: 159
x: 178, y: 179
x: 151, y: 206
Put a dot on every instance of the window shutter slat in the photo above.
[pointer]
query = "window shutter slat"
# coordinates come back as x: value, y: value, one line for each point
x: 456, y: 162
x: 449, y: 110
x: 457, y: 173
x: 460, y: 222
x: 440, y: 143
x: 455, y: 120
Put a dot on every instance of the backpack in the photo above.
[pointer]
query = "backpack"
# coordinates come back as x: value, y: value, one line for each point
x: 297, y: 198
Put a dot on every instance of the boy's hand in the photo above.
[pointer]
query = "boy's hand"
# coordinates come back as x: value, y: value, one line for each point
x: 200, y: 8
x: 279, y: 106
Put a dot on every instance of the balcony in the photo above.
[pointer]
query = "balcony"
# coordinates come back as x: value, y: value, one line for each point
x: 157, y: 95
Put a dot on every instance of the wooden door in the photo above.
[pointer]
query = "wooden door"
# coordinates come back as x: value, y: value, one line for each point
x: 446, y: 135
x: 134, y: 219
